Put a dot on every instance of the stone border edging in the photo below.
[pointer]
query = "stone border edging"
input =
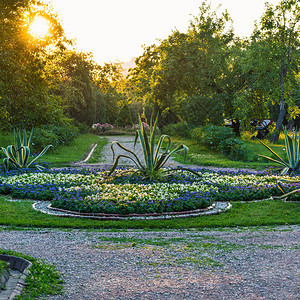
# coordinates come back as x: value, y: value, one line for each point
x: 215, y: 208
x: 20, y: 264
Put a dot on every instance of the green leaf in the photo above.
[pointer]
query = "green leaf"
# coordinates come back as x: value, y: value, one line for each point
x: 273, y: 152
x: 40, y: 155
x: 127, y: 150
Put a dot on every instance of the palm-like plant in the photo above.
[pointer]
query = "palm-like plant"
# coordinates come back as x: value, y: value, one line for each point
x: 292, y: 145
x: 19, y: 153
x: 154, y: 157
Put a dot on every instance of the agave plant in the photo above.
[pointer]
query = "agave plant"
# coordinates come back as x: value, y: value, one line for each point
x: 286, y: 195
x: 292, y: 145
x: 154, y: 156
x: 19, y: 153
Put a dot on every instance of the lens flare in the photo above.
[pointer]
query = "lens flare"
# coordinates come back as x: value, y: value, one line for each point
x: 39, y: 27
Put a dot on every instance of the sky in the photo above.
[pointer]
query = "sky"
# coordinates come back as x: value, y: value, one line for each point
x: 115, y: 30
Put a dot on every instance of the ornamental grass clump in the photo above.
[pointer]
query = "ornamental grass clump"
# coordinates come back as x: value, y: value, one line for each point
x: 154, y: 156
x: 18, y: 155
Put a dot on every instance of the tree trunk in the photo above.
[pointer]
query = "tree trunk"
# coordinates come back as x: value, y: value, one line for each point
x: 282, y: 112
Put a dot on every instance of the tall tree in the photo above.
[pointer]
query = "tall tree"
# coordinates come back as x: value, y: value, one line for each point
x: 186, y: 67
x: 275, y: 54
x: 24, y: 96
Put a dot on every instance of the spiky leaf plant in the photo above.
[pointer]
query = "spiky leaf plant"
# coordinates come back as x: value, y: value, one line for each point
x: 18, y: 154
x: 286, y: 195
x: 292, y: 145
x: 154, y: 156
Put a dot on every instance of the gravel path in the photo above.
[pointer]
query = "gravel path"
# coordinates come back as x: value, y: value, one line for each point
x: 227, y: 264
x: 128, y: 142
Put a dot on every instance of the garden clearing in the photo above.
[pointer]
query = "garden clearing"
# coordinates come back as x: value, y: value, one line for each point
x: 221, y: 263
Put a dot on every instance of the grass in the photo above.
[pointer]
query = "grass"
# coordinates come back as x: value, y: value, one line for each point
x: 201, y: 155
x: 64, y: 155
x: 262, y: 213
x: 43, y: 279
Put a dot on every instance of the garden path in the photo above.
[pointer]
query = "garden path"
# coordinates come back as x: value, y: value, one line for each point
x: 128, y: 142
x: 179, y: 264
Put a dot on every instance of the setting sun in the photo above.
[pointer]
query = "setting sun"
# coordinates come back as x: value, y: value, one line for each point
x: 39, y: 27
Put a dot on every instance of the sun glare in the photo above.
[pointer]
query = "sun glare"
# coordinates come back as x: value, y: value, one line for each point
x: 39, y: 27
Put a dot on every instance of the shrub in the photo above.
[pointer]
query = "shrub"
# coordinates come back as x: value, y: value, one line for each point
x: 233, y: 149
x: 212, y: 135
x: 292, y: 145
x: 124, y: 117
x: 179, y: 129
x: 55, y: 135
x: 222, y: 139
x: 100, y: 128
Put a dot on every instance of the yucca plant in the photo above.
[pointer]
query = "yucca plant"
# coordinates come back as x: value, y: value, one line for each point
x: 154, y: 156
x: 18, y: 154
x: 292, y: 145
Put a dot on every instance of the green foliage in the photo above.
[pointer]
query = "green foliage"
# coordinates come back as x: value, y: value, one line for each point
x: 222, y: 139
x: 234, y: 149
x: 292, y: 145
x: 181, y: 129
x: 24, y: 91
x: 43, y: 279
x: 112, y: 108
x: 201, y: 110
x: 18, y: 155
x: 188, y: 68
x: 153, y: 155
x: 56, y: 135
x: 273, y: 56
x: 212, y: 135
x: 124, y: 117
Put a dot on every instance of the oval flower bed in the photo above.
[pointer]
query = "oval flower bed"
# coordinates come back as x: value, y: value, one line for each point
x: 93, y: 192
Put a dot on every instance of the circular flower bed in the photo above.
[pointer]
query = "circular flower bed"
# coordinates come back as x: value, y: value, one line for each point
x: 93, y: 192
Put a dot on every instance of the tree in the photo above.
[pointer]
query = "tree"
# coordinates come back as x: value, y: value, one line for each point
x: 186, y: 66
x: 25, y: 99
x: 124, y: 117
x: 275, y: 55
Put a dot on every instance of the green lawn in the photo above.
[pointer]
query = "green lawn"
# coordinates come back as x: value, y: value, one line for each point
x: 64, y: 155
x: 201, y: 155
x: 264, y: 213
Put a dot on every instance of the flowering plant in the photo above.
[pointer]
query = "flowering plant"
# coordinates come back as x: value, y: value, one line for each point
x: 102, y: 127
x: 91, y: 190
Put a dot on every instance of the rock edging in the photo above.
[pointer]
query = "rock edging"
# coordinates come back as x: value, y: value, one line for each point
x: 215, y: 208
x: 21, y: 265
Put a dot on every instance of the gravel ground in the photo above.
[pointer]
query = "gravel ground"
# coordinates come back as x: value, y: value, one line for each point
x: 214, y: 264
